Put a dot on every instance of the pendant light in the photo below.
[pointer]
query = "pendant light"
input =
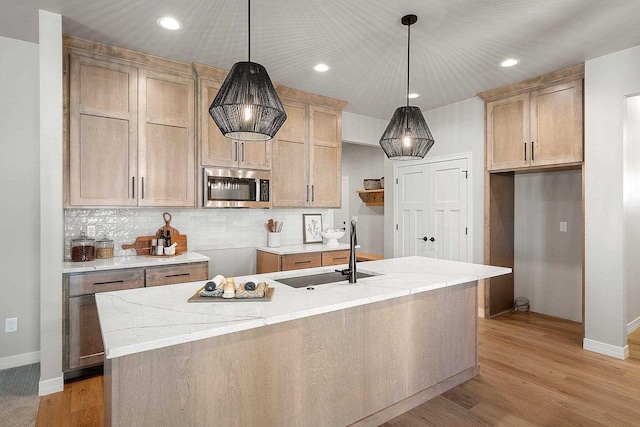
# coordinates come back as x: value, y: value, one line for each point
x: 407, y: 136
x: 247, y: 106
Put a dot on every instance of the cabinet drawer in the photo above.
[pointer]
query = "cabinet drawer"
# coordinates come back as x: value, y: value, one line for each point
x: 298, y: 261
x: 105, y: 281
x: 335, y: 258
x: 180, y: 273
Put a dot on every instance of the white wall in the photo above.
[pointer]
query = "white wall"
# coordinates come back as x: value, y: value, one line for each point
x: 608, y: 80
x: 632, y: 211
x: 456, y: 128
x: 51, y: 223
x: 360, y: 162
x: 548, y: 262
x: 20, y: 209
x: 360, y: 129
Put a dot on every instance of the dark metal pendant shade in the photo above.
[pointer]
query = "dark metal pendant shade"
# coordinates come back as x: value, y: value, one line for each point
x: 247, y: 106
x: 407, y: 136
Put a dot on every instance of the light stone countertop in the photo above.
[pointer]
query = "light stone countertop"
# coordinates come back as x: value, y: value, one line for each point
x: 120, y: 262
x: 297, y: 249
x: 144, y: 319
x: 138, y: 320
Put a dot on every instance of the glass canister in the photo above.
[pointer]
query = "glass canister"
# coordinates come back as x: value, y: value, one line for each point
x: 104, y: 248
x: 83, y: 248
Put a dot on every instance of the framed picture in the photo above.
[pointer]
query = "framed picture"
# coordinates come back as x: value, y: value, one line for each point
x: 311, y: 228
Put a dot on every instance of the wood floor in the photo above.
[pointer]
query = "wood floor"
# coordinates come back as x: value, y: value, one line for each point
x: 533, y: 371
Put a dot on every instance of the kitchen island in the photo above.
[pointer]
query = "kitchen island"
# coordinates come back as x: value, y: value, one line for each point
x: 339, y: 354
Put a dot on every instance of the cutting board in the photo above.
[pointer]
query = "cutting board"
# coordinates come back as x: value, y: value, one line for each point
x: 142, y: 244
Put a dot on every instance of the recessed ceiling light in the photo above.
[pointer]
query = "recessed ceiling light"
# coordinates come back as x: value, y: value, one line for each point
x: 509, y: 62
x: 321, y: 68
x: 413, y: 95
x: 169, y: 23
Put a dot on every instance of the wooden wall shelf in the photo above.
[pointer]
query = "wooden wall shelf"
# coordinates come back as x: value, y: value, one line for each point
x: 372, y: 197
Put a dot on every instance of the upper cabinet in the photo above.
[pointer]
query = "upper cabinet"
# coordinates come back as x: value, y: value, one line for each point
x: 307, y: 153
x: 216, y: 149
x: 131, y: 129
x: 537, y: 123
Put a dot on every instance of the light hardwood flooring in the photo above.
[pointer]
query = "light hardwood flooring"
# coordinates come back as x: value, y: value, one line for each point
x: 533, y: 371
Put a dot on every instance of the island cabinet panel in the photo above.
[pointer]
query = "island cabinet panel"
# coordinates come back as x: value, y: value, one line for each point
x: 358, y: 366
x: 307, y: 153
x: 218, y: 150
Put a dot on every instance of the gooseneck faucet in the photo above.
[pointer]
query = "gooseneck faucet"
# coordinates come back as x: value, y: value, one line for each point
x: 353, y: 242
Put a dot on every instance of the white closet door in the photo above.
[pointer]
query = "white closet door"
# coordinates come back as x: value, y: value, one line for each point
x: 413, y: 208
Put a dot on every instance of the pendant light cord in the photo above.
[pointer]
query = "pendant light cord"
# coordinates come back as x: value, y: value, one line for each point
x: 249, y: 28
x: 408, y: 58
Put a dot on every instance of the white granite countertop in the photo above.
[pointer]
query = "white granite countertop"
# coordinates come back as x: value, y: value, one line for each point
x: 119, y: 262
x: 296, y: 249
x: 144, y: 319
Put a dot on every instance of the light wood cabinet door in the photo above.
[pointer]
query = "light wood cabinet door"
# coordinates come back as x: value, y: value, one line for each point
x: 556, y: 124
x: 289, y: 173
x: 335, y: 258
x: 508, y: 133
x: 103, y: 118
x: 172, y: 274
x: 166, y: 140
x: 299, y: 261
x: 218, y: 150
x: 325, y: 165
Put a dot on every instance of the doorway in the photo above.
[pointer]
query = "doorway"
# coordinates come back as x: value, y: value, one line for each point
x: 432, y: 208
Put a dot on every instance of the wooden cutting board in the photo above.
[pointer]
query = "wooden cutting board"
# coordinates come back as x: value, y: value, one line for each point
x: 167, y: 227
x: 142, y: 244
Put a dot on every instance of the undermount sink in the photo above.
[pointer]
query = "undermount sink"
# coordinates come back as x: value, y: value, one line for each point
x: 318, y: 279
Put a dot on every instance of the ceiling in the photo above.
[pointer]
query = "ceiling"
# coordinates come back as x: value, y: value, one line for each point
x: 456, y: 45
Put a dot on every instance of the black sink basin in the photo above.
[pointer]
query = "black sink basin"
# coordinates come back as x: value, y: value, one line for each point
x: 318, y: 279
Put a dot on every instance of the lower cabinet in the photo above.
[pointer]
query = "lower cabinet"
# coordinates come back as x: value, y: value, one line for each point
x: 82, y: 338
x: 267, y: 262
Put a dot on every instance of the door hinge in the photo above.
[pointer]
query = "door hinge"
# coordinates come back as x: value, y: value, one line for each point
x: 466, y: 230
x: 396, y: 180
x: 396, y: 226
x: 466, y: 174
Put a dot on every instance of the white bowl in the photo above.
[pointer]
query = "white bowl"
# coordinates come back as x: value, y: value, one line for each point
x: 332, y: 236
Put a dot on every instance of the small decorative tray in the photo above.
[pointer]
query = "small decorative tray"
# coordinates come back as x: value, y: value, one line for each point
x: 197, y: 298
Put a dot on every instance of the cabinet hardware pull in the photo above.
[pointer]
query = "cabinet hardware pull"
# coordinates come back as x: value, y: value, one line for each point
x: 133, y: 187
x: 303, y: 262
x: 342, y: 257
x: 107, y: 283
x: 313, y: 193
x: 243, y: 152
x: 235, y: 143
x: 178, y: 275
x: 525, y: 151
x: 143, y: 187
x: 307, y: 192
x: 533, y: 153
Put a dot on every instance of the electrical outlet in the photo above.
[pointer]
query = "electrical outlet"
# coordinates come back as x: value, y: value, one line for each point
x: 11, y: 324
x: 563, y: 226
x: 91, y: 231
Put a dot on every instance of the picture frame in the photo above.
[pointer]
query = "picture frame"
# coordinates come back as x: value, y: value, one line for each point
x: 311, y: 228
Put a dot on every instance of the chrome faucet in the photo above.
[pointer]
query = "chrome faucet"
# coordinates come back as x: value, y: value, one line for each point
x: 353, y: 242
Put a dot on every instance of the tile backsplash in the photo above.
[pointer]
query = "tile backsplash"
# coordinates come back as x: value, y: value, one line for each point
x: 206, y: 229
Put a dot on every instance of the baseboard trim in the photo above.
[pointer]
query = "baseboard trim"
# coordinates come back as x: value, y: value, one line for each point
x: 53, y: 385
x: 417, y: 399
x: 19, y: 360
x: 633, y: 326
x: 606, y: 349
x: 481, y: 312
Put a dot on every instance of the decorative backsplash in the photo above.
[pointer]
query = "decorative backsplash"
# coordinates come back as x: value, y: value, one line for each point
x: 207, y: 229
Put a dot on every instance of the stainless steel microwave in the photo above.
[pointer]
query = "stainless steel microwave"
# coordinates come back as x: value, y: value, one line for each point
x: 236, y: 188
